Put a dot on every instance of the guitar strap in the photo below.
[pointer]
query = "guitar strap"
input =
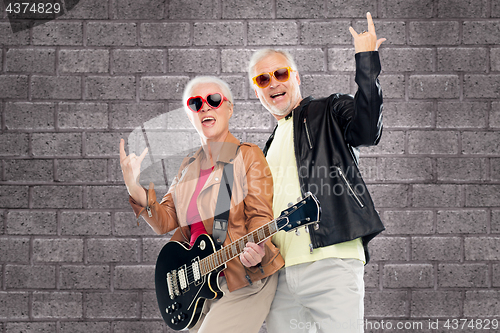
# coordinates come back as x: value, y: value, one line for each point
x: 223, y: 206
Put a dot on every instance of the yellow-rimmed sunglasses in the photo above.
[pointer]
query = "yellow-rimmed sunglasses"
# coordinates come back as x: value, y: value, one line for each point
x: 281, y: 74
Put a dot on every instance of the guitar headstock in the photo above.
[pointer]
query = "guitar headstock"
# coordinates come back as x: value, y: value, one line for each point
x: 304, y: 212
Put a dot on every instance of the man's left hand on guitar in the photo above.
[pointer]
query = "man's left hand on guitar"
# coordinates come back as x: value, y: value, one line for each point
x: 252, y: 254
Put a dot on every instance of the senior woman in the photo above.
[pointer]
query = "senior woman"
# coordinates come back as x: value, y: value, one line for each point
x: 248, y: 282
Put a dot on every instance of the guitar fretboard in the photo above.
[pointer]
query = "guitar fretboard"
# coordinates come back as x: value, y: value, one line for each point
x: 232, y: 250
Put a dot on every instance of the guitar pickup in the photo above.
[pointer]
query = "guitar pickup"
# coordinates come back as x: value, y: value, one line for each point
x: 195, y: 266
x: 182, y: 279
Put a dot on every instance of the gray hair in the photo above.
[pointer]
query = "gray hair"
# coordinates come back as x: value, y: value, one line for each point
x: 224, y: 87
x: 261, y: 54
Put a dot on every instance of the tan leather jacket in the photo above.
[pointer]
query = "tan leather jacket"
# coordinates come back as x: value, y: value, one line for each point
x: 251, y: 205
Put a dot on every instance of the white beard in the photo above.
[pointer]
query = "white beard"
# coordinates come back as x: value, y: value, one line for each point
x: 278, y: 112
x: 283, y: 111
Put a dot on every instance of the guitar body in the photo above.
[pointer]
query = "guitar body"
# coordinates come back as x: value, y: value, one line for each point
x: 185, y: 278
x: 180, y: 291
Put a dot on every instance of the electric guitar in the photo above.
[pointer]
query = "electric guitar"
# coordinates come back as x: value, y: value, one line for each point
x: 185, y: 278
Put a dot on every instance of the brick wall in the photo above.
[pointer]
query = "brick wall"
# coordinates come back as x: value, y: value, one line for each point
x: 72, y: 258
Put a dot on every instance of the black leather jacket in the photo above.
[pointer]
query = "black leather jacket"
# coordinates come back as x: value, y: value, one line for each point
x: 327, y: 132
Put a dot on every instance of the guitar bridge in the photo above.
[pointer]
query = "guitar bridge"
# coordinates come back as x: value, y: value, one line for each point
x: 175, y: 284
x: 170, y: 285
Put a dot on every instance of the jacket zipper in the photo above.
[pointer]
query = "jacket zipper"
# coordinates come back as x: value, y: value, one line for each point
x: 349, y: 187
x: 147, y: 208
x: 307, y: 134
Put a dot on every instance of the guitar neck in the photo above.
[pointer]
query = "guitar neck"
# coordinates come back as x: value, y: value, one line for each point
x: 219, y: 258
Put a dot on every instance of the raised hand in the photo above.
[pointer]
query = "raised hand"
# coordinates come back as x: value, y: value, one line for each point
x: 367, y: 40
x: 252, y: 254
x: 131, y: 169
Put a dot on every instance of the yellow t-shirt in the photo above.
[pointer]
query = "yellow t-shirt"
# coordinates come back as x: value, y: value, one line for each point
x: 296, y: 249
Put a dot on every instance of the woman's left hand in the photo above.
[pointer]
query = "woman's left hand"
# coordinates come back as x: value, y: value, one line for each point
x: 252, y: 254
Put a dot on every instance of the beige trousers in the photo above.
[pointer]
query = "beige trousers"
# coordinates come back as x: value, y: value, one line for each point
x: 324, y: 296
x: 243, y: 311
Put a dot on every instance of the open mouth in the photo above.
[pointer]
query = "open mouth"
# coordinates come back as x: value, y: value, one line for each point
x: 208, y: 121
x: 278, y: 95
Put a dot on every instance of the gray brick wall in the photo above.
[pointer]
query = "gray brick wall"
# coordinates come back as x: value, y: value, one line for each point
x: 72, y: 258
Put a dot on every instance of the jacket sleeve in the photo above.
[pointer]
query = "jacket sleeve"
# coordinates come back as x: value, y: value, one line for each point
x: 361, y: 117
x: 259, y: 198
x: 162, y: 217
x: 259, y: 202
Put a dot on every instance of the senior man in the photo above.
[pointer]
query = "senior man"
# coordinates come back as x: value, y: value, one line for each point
x: 314, y: 148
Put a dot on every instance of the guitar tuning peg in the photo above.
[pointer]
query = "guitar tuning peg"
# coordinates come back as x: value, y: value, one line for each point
x: 290, y: 204
x: 299, y: 198
x: 306, y: 229
x: 316, y: 226
x: 297, y: 232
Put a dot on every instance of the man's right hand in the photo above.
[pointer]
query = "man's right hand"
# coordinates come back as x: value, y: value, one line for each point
x: 131, y: 170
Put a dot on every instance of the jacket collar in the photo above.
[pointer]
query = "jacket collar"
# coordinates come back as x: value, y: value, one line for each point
x: 301, y: 105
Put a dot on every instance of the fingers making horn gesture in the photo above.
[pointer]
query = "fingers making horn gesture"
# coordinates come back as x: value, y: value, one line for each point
x: 367, y: 40
x: 131, y: 169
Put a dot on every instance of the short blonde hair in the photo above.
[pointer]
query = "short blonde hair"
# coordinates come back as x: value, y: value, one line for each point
x: 224, y: 87
x: 261, y: 54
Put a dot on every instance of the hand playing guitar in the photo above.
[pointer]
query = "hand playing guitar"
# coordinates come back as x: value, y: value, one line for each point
x: 131, y: 169
x: 252, y: 254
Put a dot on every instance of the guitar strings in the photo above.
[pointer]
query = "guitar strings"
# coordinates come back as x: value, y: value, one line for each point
x: 216, y: 259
